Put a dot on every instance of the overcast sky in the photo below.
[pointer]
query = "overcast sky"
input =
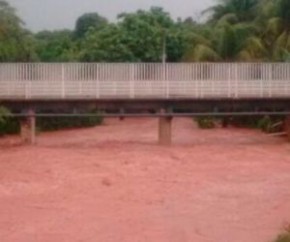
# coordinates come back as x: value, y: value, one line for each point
x: 59, y: 14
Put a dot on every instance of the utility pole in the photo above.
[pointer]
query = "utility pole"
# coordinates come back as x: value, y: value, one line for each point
x: 164, y: 55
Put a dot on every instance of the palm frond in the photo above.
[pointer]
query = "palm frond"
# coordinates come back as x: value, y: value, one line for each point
x: 204, y: 53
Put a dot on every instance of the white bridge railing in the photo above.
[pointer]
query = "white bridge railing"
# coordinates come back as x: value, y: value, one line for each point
x: 140, y: 80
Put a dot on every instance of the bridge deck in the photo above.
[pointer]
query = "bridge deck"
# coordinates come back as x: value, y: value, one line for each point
x: 144, y: 81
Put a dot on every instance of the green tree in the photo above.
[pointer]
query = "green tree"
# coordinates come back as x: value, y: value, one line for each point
x: 277, y: 35
x: 236, y: 30
x: 16, y: 43
x: 138, y: 37
x: 230, y: 35
x: 4, y: 114
x: 87, y: 21
x: 146, y: 32
x: 9, y: 21
x: 234, y: 11
x: 227, y: 42
x: 56, y: 46
x: 200, y: 45
x: 106, y: 45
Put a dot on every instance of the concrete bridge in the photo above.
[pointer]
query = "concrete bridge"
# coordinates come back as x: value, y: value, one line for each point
x: 141, y: 89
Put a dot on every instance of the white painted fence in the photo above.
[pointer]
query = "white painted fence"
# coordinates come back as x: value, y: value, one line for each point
x: 124, y: 80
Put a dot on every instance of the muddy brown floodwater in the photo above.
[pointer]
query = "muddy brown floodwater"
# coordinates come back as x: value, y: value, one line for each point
x: 113, y: 183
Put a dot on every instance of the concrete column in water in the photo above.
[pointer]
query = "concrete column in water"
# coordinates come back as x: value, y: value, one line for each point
x: 165, y: 129
x: 287, y: 126
x: 28, y: 128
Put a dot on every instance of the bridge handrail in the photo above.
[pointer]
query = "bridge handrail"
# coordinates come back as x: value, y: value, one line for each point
x: 144, y: 80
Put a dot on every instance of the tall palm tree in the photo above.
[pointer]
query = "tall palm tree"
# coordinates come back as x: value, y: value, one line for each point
x: 201, y: 45
x: 233, y: 11
x: 234, y: 34
x: 277, y: 34
x: 228, y: 43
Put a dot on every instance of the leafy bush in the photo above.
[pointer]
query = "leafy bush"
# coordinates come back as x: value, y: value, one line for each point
x: 8, y: 124
x: 284, y: 237
x: 11, y: 125
x: 205, y: 122
x: 4, y: 114
x: 57, y: 123
x: 271, y: 124
x: 267, y: 124
x: 245, y: 121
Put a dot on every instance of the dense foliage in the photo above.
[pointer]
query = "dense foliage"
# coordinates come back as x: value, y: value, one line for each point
x: 205, y: 122
x: 8, y: 125
x: 11, y: 125
x: 284, y: 237
x: 58, y: 123
x: 235, y: 30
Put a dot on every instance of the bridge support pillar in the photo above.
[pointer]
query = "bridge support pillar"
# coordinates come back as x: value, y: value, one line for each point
x: 165, y: 132
x: 287, y: 126
x: 121, y: 117
x: 28, y: 128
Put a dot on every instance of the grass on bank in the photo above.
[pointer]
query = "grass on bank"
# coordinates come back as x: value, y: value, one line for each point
x: 11, y: 125
x: 284, y: 237
x: 266, y: 124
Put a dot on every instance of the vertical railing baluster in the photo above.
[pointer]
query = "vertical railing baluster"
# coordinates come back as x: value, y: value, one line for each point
x: 211, y: 73
x: 285, y: 79
x: 270, y: 78
x: 97, y: 80
x: 260, y: 75
x: 26, y: 81
x: 167, y: 80
x: 62, y: 81
x: 132, y: 81
x: 236, y: 81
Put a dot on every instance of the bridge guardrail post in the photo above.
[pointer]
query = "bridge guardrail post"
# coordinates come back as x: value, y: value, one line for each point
x: 28, y: 89
x: 229, y: 81
x: 261, y: 86
x: 98, y: 82
x: 132, y: 80
x: 25, y: 90
x: 62, y: 81
x: 166, y: 81
x: 197, y: 86
x: 270, y: 78
x: 236, y: 81
x: 285, y: 79
x: 199, y: 80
